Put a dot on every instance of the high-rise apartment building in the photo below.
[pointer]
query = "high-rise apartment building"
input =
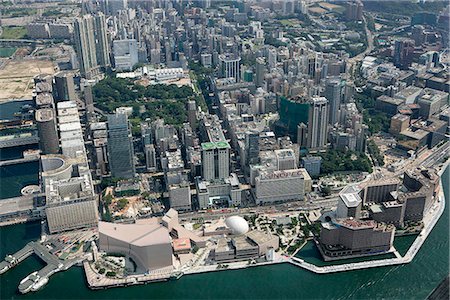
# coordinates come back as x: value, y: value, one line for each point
x: 318, y: 123
x: 354, y: 11
x: 260, y: 71
x: 120, y: 147
x: 91, y: 44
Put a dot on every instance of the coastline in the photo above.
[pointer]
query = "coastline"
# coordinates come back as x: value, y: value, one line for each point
x: 433, y: 215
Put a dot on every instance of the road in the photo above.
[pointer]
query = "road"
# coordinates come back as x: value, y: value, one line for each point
x: 352, y: 61
x: 274, y: 209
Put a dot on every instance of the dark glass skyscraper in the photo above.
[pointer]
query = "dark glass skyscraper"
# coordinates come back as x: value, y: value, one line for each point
x: 120, y: 147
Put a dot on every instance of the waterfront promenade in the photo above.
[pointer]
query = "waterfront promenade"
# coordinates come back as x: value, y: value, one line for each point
x: 430, y: 220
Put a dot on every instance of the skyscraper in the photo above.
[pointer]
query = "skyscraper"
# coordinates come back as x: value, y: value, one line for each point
x: 260, y: 71
x: 102, y: 45
x: 403, y: 53
x: 216, y: 160
x: 91, y: 44
x: 230, y: 66
x: 120, y: 147
x: 252, y: 146
x: 333, y: 95
x: 64, y: 89
x: 272, y: 58
x: 318, y: 123
x: 192, y: 114
x: 302, y: 135
x: 354, y: 11
x: 89, y: 103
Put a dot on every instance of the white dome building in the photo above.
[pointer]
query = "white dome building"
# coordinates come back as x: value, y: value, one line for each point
x: 237, y: 225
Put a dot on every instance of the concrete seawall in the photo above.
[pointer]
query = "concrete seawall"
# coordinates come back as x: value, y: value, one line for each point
x: 434, y: 214
x: 430, y: 220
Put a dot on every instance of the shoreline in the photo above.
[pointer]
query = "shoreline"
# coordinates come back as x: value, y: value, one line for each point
x: 434, y: 214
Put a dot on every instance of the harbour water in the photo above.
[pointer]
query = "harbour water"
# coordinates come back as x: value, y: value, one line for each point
x: 412, y: 281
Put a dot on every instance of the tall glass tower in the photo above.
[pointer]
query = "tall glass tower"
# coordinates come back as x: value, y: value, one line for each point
x: 120, y: 147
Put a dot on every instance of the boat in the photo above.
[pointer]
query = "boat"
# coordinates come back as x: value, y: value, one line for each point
x: 28, y: 277
x: 28, y: 282
x: 41, y: 282
x: 176, y: 276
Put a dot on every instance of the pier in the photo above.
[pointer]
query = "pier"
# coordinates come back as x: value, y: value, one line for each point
x: 37, y: 279
x: 19, y: 160
x: 18, y: 140
x: 19, y: 209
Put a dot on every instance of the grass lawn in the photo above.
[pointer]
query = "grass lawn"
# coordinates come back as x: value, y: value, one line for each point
x: 289, y: 22
x: 7, y: 51
x: 13, y: 32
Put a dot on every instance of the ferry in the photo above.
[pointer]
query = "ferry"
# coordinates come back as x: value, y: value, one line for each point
x: 28, y: 282
x: 39, y: 284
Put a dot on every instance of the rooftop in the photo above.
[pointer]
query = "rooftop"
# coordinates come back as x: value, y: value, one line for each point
x: 215, y: 145
x: 136, y: 234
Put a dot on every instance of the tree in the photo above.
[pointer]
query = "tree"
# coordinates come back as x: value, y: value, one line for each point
x: 122, y: 203
x: 326, y: 190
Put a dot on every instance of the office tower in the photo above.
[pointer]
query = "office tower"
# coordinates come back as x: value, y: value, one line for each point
x: 260, y: 71
x: 318, y: 123
x: 125, y: 54
x: 285, y: 159
x: 312, y: 164
x: 403, y: 53
x: 99, y: 136
x: 149, y: 148
x: 91, y: 44
x: 252, y: 147
x: 417, y: 34
x: 150, y: 157
x: 216, y: 160
x: 230, y: 66
x: 282, y: 185
x: 312, y: 66
x: 333, y: 95
x: 64, y: 88
x: 293, y: 112
x: 120, y: 147
x: 302, y: 135
x: 192, y: 113
x: 48, y: 135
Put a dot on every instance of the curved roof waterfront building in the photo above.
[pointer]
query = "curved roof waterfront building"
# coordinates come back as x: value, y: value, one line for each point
x: 237, y: 225
x: 149, y: 245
